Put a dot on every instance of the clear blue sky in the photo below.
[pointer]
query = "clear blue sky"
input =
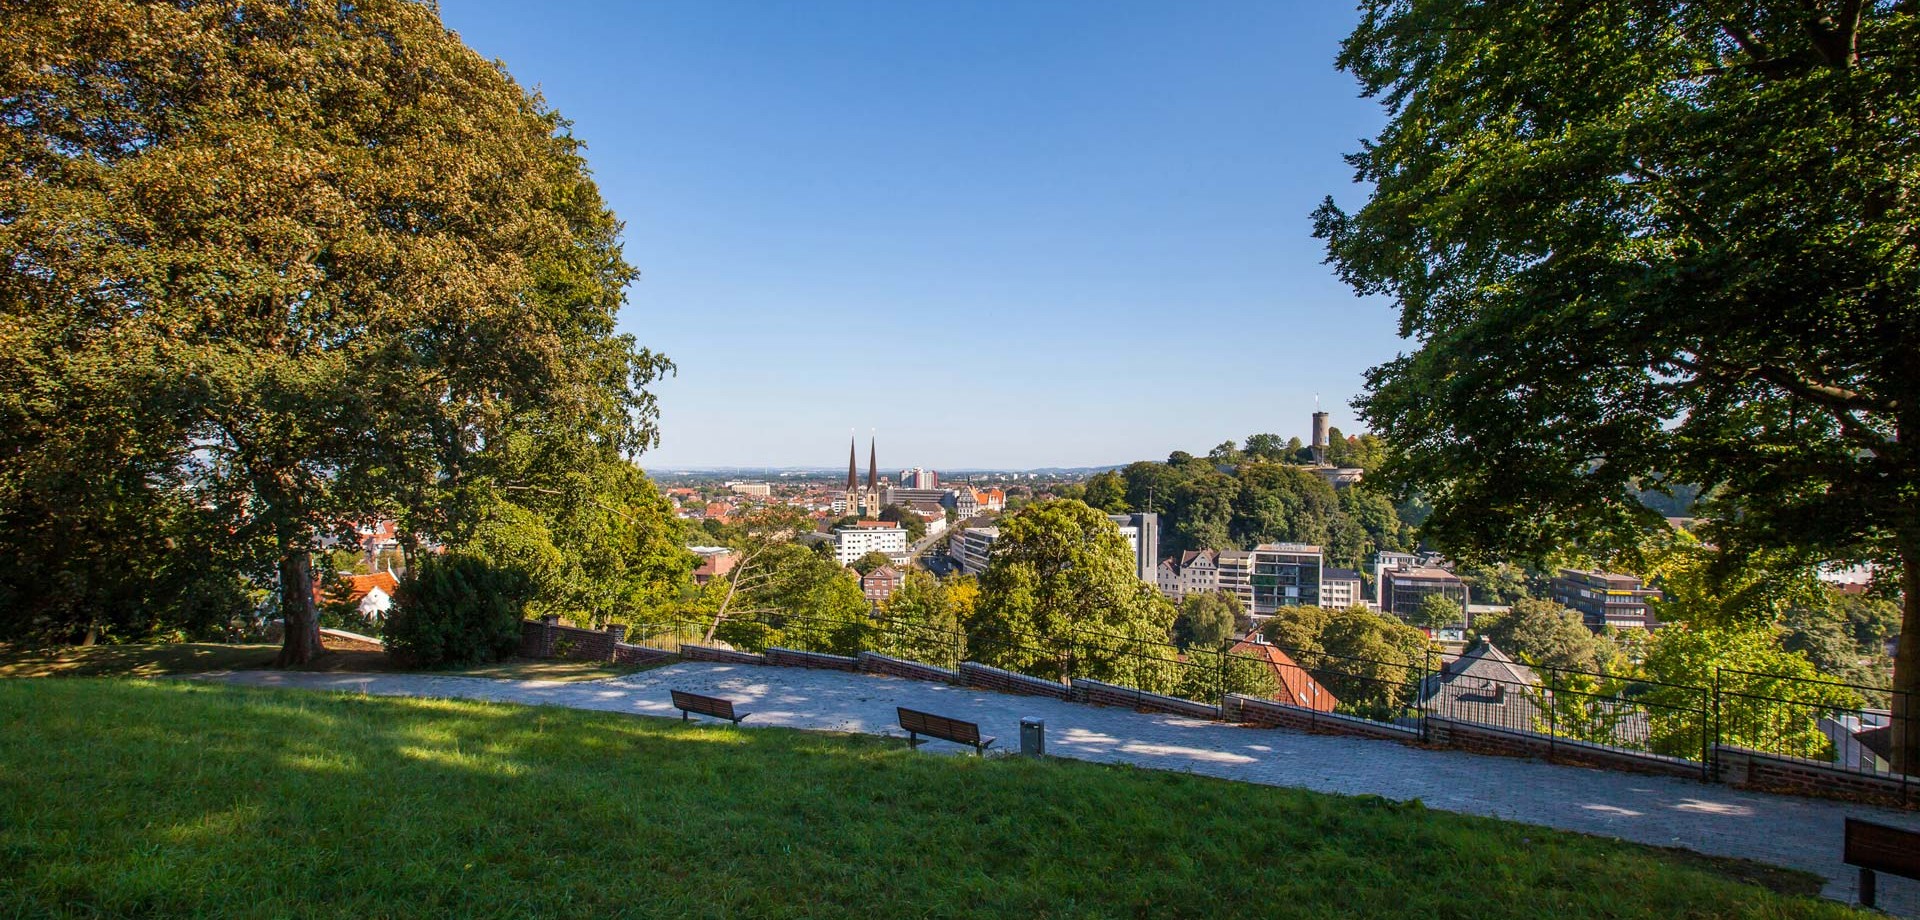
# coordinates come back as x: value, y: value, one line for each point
x: 1004, y: 234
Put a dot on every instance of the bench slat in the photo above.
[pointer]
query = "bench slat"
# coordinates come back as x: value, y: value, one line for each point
x: 707, y: 706
x: 1881, y: 848
x: 947, y: 729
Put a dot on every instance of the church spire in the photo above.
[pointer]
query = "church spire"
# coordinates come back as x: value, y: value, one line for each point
x: 873, y: 464
x: 853, y: 463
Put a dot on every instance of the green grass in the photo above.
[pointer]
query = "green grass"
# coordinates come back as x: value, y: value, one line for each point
x: 168, y: 798
x: 158, y: 660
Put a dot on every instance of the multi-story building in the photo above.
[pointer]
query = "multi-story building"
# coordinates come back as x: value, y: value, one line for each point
x: 1143, y: 537
x: 898, y: 495
x: 969, y: 547
x: 1402, y: 590
x: 1606, y: 598
x: 1382, y: 561
x: 884, y: 537
x: 966, y: 503
x: 1166, y: 577
x: 1196, y: 571
x: 1285, y: 575
x: 880, y: 583
x: 715, y: 562
x: 1234, y: 574
x: 1339, y: 588
x: 918, y: 478
x: 751, y: 489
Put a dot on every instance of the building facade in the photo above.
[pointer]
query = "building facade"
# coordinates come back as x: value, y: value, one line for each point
x: 879, y: 584
x: 970, y: 546
x: 1284, y: 575
x: 1234, y: 571
x: 910, y: 495
x: 888, y: 539
x: 1606, y: 599
x: 1339, y: 588
x: 1402, y: 590
x: 1143, y: 537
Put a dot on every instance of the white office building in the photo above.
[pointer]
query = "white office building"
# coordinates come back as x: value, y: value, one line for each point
x: 888, y: 539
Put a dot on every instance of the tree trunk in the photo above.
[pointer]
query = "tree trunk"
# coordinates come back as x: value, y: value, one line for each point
x: 1906, y: 660
x: 301, y: 620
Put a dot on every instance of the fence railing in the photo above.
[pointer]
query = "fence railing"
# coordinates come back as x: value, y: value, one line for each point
x: 1829, y: 722
x: 1808, y: 719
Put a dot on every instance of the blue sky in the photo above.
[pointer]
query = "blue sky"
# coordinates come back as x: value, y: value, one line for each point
x: 1003, y: 234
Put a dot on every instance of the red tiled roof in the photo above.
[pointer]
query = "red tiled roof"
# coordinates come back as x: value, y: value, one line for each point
x: 359, y: 585
x: 1297, y: 687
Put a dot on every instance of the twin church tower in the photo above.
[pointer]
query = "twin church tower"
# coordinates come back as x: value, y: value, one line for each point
x: 868, y: 503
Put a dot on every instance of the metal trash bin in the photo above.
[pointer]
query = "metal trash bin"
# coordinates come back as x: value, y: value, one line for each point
x: 1033, y: 737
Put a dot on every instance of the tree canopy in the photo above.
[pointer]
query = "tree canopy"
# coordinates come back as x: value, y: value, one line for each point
x: 1648, y: 243
x: 1259, y: 502
x: 1208, y: 620
x: 277, y: 268
x: 1060, y: 594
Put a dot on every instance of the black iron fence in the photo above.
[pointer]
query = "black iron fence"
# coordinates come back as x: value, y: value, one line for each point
x: 1822, y: 722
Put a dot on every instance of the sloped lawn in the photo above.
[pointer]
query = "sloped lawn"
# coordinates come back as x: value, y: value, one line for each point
x: 169, y: 798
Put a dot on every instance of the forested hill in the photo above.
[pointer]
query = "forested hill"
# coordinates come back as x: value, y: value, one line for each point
x: 1238, y: 496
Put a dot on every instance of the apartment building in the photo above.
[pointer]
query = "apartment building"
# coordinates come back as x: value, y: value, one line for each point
x: 884, y: 537
x: 1284, y: 575
x: 969, y: 547
x: 1339, y: 588
x: 1606, y: 598
x: 1402, y: 590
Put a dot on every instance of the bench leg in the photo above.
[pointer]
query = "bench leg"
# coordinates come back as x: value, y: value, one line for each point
x: 913, y: 740
x: 1867, y: 894
x: 684, y: 715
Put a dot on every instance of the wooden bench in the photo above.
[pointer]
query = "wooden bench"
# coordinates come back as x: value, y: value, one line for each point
x: 692, y: 703
x: 1880, y: 848
x: 919, y: 723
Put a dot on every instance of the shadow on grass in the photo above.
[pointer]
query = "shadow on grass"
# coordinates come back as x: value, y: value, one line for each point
x: 122, y: 797
x: 166, y: 659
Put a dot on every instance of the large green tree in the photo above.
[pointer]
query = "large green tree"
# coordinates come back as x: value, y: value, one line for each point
x: 298, y: 263
x: 1649, y: 242
x: 1061, y: 598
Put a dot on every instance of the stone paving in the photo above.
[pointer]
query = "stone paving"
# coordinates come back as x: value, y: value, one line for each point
x: 1783, y: 830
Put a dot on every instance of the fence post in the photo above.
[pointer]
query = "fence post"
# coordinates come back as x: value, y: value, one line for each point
x: 1426, y: 671
x: 1706, y: 742
x: 1222, y: 684
x: 1553, y: 716
x: 1718, y: 739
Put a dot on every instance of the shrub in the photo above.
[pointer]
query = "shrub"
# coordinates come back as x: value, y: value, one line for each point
x: 457, y: 610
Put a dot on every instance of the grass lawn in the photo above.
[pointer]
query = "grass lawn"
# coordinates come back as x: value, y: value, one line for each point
x: 195, y: 657
x: 166, y: 798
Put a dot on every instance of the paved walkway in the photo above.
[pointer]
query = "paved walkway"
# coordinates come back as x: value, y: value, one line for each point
x: 1783, y: 830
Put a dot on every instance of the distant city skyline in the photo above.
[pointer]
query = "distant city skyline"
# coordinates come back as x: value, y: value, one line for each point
x: 1003, y: 236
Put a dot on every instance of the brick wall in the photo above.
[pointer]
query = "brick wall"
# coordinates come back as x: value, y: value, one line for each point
x: 793, y: 658
x: 1250, y: 710
x: 899, y: 667
x: 1774, y: 773
x: 552, y: 637
x: 640, y: 654
x: 1104, y: 694
x: 723, y: 655
x: 1486, y: 739
x: 975, y: 674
